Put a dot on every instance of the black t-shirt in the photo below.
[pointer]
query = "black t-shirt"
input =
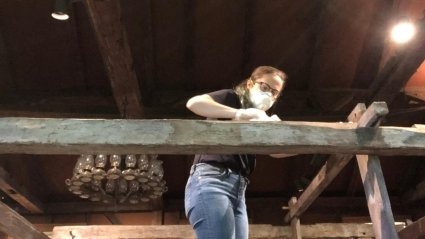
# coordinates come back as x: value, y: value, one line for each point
x: 241, y: 163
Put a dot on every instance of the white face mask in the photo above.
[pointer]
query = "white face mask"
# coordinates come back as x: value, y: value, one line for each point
x: 261, y: 100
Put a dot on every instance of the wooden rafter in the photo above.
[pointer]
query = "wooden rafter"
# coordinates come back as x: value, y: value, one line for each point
x: 399, y: 68
x: 19, y: 194
x: 115, y: 50
x: 75, y: 136
x: 16, y: 226
x: 377, y: 197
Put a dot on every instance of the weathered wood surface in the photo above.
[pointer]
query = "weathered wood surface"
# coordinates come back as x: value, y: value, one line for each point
x: 295, y: 221
x: 19, y: 194
x: 326, y: 230
x: 415, y: 230
x: 16, y: 226
x: 377, y: 197
x: 105, y: 17
x: 76, y: 136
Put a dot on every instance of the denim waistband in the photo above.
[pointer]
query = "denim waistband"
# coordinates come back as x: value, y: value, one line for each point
x: 215, y: 165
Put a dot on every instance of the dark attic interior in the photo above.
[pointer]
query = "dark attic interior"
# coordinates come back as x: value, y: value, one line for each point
x: 107, y: 81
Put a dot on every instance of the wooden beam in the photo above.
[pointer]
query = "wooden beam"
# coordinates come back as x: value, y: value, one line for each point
x: 295, y: 221
x: 415, y: 230
x: 398, y: 70
x: 19, y: 194
x: 329, y: 204
x: 105, y: 17
x: 16, y: 226
x: 335, y: 163
x: 257, y: 231
x: 377, y: 197
x: 373, y: 182
x: 77, y: 136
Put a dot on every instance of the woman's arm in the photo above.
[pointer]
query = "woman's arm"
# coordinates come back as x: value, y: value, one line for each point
x: 204, y: 105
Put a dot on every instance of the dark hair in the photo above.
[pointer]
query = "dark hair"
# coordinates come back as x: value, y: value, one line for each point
x: 242, y: 90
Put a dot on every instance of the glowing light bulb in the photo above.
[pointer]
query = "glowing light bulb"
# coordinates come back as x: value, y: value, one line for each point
x: 403, y: 32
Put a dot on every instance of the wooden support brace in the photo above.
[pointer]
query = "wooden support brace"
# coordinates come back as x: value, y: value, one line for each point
x: 295, y: 221
x: 19, y: 194
x: 16, y: 226
x: 377, y: 197
x: 335, y: 163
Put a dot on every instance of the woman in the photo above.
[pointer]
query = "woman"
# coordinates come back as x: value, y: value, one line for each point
x: 215, y: 190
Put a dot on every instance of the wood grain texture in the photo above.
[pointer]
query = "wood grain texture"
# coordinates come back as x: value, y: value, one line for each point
x: 76, y: 136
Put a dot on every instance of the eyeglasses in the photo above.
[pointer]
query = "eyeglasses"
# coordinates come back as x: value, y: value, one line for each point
x: 267, y: 88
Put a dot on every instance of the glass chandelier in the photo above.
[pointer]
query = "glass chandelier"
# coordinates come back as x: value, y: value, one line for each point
x: 133, y: 180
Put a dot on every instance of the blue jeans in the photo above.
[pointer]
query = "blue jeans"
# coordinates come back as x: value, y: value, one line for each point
x: 215, y: 203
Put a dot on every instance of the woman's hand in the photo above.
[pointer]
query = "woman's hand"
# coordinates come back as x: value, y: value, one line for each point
x: 251, y: 114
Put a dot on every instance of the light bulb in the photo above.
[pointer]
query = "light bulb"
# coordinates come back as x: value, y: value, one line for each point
x: 403, y: 32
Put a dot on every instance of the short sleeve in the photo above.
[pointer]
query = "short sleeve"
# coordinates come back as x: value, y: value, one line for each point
x: 226, y: 97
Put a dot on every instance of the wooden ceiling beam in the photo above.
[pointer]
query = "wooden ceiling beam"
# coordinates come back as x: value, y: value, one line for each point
x: 19, y: 193
x: 105, y: 17
x: 16, y: 226
x: 392, y: 78
x: 75, y: 136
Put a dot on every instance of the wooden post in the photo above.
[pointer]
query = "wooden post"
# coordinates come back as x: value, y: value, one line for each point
x: 378, y: 201
x: 295, y: 221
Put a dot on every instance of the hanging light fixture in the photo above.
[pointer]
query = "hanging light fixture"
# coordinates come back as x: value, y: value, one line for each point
x: 61, y: 10
x: 134, y: 179
x: 403, y: 31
